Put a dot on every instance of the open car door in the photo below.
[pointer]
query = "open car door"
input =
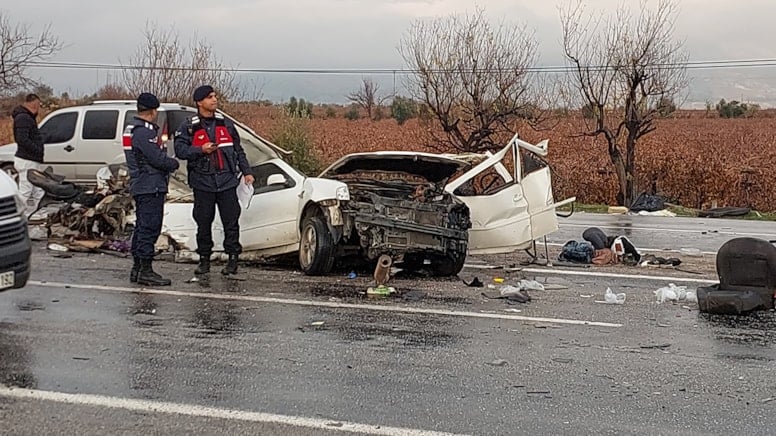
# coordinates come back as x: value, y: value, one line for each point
x: 508, y: 212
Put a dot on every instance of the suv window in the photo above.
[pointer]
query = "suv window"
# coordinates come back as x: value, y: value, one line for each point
x: 100, y: 124
x: 59, y: 128
x: 176, y: 118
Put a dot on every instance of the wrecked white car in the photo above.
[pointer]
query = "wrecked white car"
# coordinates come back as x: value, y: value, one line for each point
x: 424, y: 210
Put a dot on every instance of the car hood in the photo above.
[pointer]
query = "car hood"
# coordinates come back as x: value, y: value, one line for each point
x: 433, y: 167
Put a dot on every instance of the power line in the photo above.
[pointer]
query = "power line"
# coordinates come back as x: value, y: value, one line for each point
x: 691, y: 65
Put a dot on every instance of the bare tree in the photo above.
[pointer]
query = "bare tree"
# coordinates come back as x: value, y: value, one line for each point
x: 19, y: 49
x: 474, y: 78
x: 367, y: 97
x: 171, y: 70
x: 625, y: 66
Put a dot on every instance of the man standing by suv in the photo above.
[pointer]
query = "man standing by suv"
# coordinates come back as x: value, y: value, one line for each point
x: 211, y: 146
x: 149, y: 174
x: 29, y: 149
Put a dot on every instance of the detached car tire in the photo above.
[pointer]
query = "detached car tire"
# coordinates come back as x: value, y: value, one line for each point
x: 448, y: 266
x: 316, y: 247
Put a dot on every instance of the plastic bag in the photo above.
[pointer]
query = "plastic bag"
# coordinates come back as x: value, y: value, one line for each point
x: 673, y: 293
x: 530, y: 285
x: 612, y: 298
x: 244, y: 194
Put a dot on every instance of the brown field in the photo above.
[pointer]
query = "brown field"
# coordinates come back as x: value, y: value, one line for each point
x: 691, y: 159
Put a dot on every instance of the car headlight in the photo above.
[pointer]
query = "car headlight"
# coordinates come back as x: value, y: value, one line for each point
x: 343, y: 194
x: 21, y: 205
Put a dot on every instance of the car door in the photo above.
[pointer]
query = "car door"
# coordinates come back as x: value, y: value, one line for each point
x: 58, y: 131
x: 100, y: 143
x: 270, y: 221
x: 498, y: 208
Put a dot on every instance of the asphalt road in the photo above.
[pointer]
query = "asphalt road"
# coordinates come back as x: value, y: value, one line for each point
x: 706, y: 234
x: 84, y: 352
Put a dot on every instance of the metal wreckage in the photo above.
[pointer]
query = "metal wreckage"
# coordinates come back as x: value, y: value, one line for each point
x: 77, y: 219
x: 425, y: 211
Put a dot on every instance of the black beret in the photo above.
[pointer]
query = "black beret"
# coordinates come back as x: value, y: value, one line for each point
x: 202, y: 92
x: 147, y: 100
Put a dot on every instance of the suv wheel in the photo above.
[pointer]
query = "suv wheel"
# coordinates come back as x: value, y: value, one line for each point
x: 316, y: 248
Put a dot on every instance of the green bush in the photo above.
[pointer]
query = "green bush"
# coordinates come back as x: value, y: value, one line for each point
x: 299, y: 108
x: 735, y: 109
x: 353, y: 114
x: 666, y: 107
x: 292, y: 134
x: 331, y: 112
x: 403, y: 109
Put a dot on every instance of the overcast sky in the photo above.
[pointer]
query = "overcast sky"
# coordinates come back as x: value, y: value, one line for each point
x: 352, y: 34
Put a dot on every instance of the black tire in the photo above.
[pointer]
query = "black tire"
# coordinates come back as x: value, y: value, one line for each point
x: 11, y: 171
x: 316, y: 247
x: 720, y: 212
x: 448, y: 266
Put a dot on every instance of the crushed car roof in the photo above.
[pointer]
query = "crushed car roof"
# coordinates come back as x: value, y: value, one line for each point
x: 433, y: 167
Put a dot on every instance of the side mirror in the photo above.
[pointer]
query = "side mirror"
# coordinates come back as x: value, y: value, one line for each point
x: 276, y: 179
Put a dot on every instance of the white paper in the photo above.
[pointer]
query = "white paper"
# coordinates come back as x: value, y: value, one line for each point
x: 244, y: 194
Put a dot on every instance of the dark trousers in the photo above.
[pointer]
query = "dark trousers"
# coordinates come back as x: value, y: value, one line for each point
x: 149, y: 210
x: 205, y: 212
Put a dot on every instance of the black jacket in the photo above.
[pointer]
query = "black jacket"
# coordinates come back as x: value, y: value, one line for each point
x: 203, y: 174
x: 147, y: 160
x: 28, y: 139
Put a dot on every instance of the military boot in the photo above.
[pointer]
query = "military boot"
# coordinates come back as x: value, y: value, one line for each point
x: 147, y: 276
x: 231, y: 265
x: 135, y: 269
x: 204, y: 265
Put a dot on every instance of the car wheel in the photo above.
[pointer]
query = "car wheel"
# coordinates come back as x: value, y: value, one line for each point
x: 448, y: 266
x: 316, y: 248
x: 11, y: 171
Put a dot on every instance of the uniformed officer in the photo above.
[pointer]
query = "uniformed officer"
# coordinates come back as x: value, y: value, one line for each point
x: 216, y: 165
x: 149, y: 171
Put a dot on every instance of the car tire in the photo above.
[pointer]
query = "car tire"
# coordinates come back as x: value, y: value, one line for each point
x: 11, y: 171
x: 448, y: 266
x: 316, y: 247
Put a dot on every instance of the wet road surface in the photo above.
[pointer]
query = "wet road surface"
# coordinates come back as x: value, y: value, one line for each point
x: 281, y: 353
x: 706, y: 234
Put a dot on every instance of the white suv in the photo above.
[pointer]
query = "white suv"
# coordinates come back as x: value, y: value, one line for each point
x: 82, y: 139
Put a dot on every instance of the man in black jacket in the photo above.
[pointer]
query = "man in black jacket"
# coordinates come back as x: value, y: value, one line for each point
x: 149, y: 174
x: 216, y: 165
x: 29, y: 149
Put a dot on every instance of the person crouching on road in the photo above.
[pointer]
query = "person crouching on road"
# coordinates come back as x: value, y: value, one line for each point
x: 215, y: 161
x: 149, y: 174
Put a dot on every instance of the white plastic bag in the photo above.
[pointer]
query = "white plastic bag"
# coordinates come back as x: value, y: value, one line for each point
x: 244, y: 194
x: 673, y: 293
x: 612, y: 298
x: 530, y: 285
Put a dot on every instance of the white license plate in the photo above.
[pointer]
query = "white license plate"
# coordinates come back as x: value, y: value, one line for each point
x: 6, y: 279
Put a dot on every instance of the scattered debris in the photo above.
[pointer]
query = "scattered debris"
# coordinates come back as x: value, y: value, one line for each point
x: 383, y: 270
x: 498, y: 362
x: 473, y: 283
x: 612, y: 298
x: 767, y: 400
x: 57, y: 247
x: 352, y: 275
x: 675, y: 293
x: 511, y: 294
x: 692, y: 252
x: 317, y: 323
x: 381, y: 290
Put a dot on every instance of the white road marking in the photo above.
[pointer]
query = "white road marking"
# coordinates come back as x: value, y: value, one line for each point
x: 148, y: 406
x: 605, y: 275
x: 334, y: 305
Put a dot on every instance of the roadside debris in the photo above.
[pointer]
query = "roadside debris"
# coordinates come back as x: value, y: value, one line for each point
x: 675, y: 293
x: 612, y: 298
x: 510, y: 293
x: 747, y: 278
x: 473, y: 283
x: 600, y: 249
x: 85, y: 220
x: 498, y: 362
